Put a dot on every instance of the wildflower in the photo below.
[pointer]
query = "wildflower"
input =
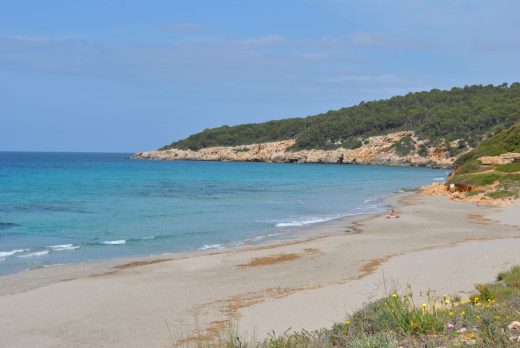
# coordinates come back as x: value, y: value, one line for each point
x: 476, y: 299
x: 450, y: 326
x: 347, y: 322
x: 497, y: 317
x: 478, y: 304
x: 450, y: 314
x: 424, y: 305
x: 394, y: 295
x: 447, y: 302
x: 463, y: 313
x: 478, y: 316
x: 462, y: 329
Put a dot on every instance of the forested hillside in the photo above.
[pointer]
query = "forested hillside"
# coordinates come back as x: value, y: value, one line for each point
x: 470, y: 113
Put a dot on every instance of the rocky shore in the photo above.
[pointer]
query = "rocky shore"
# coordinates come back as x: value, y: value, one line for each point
x: 384, y: 149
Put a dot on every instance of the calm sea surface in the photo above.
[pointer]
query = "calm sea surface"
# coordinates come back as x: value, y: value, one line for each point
x: 70, y: 207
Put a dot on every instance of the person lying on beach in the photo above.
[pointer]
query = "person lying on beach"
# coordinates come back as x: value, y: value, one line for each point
x: 392, y: 215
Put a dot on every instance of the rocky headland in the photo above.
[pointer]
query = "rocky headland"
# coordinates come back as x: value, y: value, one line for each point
x: 398, y: 148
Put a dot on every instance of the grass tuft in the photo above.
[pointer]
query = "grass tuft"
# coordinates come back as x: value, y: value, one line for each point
x: 396, y: 321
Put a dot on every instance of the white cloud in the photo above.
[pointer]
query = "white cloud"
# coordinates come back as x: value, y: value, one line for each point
x: 262, y: 41
x: 381, y: 78
x: 184, y: 27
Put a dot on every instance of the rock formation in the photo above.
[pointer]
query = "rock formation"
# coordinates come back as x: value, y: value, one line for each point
x: 374, y: 150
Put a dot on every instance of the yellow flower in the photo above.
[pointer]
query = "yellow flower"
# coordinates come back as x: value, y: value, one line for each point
x: 347, y: 322
x: 450, y: 314
x: 463, y: 313
x: 478, y: 304
x: 394, y: 295
x: 478, y: 316
x: 497, y: 317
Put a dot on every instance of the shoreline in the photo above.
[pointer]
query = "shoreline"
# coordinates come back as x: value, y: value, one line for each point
x: 383, y: 164
x: 298, y: 234
x: 305, y: 283
x: 292, y: 233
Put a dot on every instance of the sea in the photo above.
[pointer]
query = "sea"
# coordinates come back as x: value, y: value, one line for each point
x: 58, y: 208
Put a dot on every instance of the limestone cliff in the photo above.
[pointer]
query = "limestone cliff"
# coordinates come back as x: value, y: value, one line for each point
x: 399, y: 148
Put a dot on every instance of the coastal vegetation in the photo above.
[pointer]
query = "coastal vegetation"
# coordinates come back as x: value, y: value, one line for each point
x: 502, y: 179
x: 468, y: 114
x: 489, y: 317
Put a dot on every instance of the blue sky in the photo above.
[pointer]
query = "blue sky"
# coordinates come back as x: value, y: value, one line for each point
x: 135, y: 75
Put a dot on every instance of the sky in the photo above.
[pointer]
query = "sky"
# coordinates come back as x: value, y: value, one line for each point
x: 126, y: 76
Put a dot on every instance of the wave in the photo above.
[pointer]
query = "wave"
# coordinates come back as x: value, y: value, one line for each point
x: 439, y: 179
x: 211, y: 246
x: 37, y: 253
x: 305, y: 221
x: 372, y: 199
x: 62, y: 247
x: 2, y: 259
x: 12, y: 252
x: 114, y: 242
x: 150, y: 237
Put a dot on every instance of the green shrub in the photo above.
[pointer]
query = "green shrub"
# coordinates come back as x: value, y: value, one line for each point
x: 511, y: 278
x: 405, y: 146
x: 501, y: 194
x: 476, y: 179
x: 375, y: 341
x: 509, y: 168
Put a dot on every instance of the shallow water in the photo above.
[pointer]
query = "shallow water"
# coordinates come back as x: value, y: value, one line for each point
x: 70, y: 207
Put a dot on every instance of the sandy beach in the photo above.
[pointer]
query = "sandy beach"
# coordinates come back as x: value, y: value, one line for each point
x: 305, y: 283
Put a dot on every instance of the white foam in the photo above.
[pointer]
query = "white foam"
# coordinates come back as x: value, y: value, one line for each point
x: 37, y: 253
x: 371, y: 199
x: 2, y: 259
x: 304, y: 221
x: 211, y: 246
x: 439, y: 179
x: 114, y: 242
x: 151, y: 237
x: 12, y: 252
x: 61, y: 247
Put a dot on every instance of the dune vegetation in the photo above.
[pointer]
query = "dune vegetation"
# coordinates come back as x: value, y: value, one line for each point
x: 501, y: 180
x: 489, y: 317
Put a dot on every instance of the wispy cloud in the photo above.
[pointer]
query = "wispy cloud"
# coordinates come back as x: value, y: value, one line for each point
x: 380, y: 78
x: 262, y: 41
x: 184, y: 27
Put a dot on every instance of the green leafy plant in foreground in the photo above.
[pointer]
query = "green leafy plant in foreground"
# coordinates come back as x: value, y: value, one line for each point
x: 396, y: 320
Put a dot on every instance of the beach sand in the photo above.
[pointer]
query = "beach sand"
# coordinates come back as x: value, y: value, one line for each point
x: 309, y: 282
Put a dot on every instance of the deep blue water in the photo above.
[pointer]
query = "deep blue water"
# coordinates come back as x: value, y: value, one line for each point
x: 70, y: 207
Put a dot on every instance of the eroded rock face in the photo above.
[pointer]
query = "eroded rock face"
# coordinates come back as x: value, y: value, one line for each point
x: 504, y: 158
x: 375, y: 150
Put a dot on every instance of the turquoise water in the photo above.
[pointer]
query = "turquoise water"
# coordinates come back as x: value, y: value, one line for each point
x: 70, y: 207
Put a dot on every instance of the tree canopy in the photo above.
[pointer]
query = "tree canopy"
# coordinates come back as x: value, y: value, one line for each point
x: 470, y: 113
